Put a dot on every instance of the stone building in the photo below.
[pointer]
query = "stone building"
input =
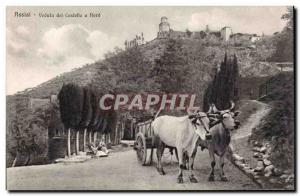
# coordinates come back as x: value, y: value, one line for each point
x: 165, y: 31
x: 246, y: 37
x: 137, y: 41
x: 255, y: 38
x: 226, y: 32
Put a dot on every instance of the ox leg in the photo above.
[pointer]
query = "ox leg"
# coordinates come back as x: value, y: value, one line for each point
x: 151, y: 156
x: 212, y: 164
x: 185, y: 161
x: 176, y: 154
x: 223, y: 177
x: 191, y: 166
x: 181, y: 166
x: 159, y: 153
x: 154, y: 142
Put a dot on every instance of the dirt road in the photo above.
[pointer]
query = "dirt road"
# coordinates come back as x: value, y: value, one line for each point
x: 122, y: 171
x: 252, y: 122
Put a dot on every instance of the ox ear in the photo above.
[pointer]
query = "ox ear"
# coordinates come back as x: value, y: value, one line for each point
x: 236, y: 113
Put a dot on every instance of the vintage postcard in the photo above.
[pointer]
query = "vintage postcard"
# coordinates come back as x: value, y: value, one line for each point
x: 150, y: 98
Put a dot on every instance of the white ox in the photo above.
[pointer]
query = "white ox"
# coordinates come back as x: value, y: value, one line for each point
x: 183, y: 133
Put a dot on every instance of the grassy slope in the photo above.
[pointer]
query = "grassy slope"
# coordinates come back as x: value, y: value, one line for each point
x: 278, y: 126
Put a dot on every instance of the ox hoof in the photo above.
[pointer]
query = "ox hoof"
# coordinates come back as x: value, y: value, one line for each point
x: 161, y: 171
x: 224, y: 178
x: 211, y: 178
x: 193, y: 179
x: 179, y: 180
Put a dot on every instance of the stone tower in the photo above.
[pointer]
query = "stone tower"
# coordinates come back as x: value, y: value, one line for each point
x: 164, y: 28
x: 207, y: 29
x: 225, y: 33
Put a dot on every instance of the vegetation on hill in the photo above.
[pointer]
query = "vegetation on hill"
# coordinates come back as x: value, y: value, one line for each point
x: 285, y: 39
x: 27, y: 140
x: 278, y: 126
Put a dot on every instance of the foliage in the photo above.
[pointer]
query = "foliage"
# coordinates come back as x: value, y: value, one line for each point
x: 170, y: 70
x: 188, y: 33
x: 27, y: 143
x: 224, y: 87
x: 87, y: 110
x: 71, y: 98
x: 278, y: 126
x: 289, y: 17
x: 131, y: 69
x: 285, y: 42
x: 79, y: 108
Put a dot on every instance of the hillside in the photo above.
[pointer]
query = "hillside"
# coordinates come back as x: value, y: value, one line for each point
x: 278, y: 127
x: 191, y: 64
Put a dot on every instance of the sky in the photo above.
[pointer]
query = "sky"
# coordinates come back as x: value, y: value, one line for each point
x: 40, y: 48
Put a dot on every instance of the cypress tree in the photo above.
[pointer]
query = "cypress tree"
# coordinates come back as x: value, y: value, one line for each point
x: 87, y: 113
x: 224, y: 87
x: 71, y: 98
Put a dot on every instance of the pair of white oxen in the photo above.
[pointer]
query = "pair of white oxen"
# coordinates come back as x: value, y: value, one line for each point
x: 209, y: 130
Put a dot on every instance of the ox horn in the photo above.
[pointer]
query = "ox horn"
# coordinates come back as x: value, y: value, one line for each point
x: 209, y: 110
x: 231, y: 107
x: 212, y: 111
x: 215, y: 109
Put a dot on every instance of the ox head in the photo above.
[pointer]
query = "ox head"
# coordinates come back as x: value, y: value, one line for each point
x: 227, y: 117
x: 199, y: 119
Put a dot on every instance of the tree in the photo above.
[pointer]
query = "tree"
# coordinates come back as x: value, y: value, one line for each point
x: 87, y: 114
x: 285, y: 39
x: 224, y: 87
x: 94, y: 100
x: 30, y: 135
x: 170, y: 70
x: 188, y: 33
x: 289, y: 17
x: 71, y: 99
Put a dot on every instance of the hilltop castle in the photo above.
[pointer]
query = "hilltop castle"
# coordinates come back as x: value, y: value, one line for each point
x: 164, y: 31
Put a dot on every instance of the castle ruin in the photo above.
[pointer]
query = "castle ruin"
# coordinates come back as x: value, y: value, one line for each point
x: 165, y: 31
x: 137, y: 41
